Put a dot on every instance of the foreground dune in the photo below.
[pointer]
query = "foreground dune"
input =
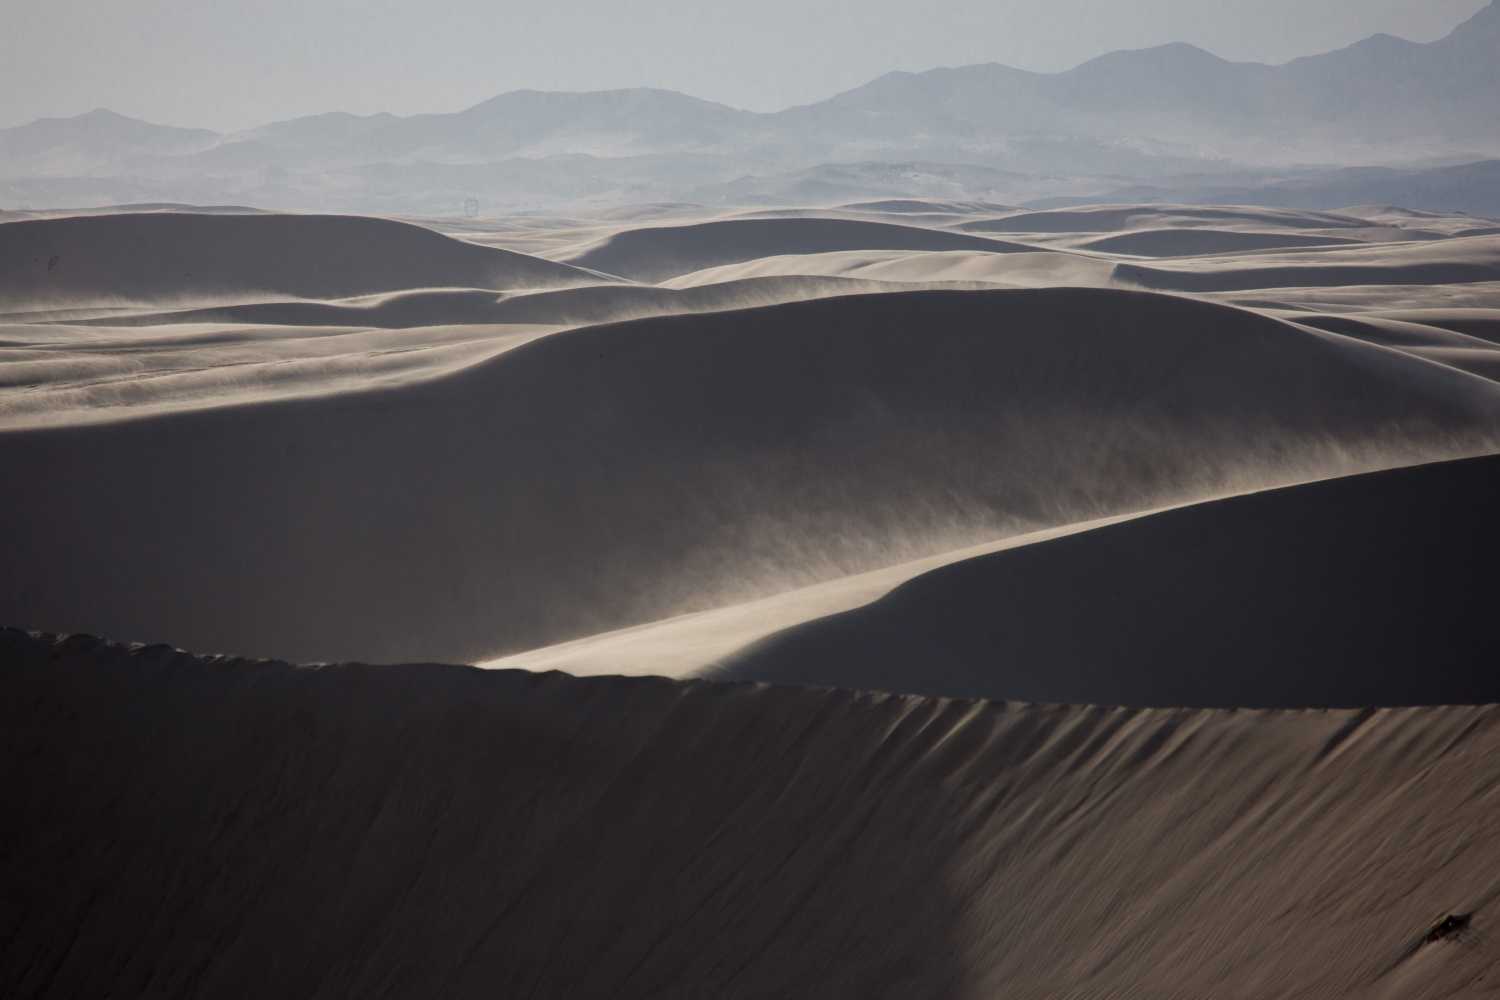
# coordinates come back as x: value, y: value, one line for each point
x: 165, y: 256
x: 415, y: 831
x: 619, y: 474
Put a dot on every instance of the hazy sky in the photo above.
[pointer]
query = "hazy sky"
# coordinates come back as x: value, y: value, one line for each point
x: 222, y: 64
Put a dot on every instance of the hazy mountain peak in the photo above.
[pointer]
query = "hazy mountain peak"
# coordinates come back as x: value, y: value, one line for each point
x: 104, y: 114
x: 104, y: 120
x: 623, y: 95
x: 1175, y: 53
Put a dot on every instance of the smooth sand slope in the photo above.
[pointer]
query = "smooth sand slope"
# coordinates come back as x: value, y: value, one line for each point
x: 165, y: 256
x: 1191, y: 242
x: 620, y: 474
x: 1369, y: 590
x: 661, y: 252
x: 443, y: 831
x: 1122, y: 218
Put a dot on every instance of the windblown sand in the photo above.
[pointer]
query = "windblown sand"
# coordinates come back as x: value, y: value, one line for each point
x: 1202, y: 460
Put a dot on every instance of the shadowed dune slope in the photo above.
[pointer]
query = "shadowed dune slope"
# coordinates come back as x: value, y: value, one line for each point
x: 1369, y: 590
x: 167, y: 255
x: 385, y: 832
x: 655, y: 254
x: 619, y: 474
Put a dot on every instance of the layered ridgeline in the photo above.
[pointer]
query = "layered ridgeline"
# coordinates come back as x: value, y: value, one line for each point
x: 415, y: 831
x: 617, y: 474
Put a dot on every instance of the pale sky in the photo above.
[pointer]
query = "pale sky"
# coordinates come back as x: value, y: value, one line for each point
x: 228, y: 65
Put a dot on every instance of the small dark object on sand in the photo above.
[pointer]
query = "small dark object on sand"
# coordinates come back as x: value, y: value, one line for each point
x: 1450, y: 926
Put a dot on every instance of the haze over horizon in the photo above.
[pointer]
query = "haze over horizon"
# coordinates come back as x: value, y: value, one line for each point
x: 202, y: 66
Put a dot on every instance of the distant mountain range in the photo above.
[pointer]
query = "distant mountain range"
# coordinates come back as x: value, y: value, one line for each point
x: 1127, y: 118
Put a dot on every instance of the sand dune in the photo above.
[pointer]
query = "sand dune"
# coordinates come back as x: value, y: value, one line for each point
x: 662, y: 252
x: 1444, y: 223
x: 858, y: 446
x: 689, y: 645
x: 58, y: 375
x: 1193, y: 242
x: 1123, y: 218
x: 373, y: 832
x: 1457, y: 261
x: 1383, y: 298
x: 926, y: 206
x: 167, y: 256
x: 1468, y: 341
x: 79, y: 371
x: 567, y: 306
x: 1041, y: 269
x: 619, y: 474
x: 1370, y: 590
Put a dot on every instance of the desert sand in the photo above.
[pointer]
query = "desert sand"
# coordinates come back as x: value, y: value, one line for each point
x: 784, y: 534
x: 397, y: 831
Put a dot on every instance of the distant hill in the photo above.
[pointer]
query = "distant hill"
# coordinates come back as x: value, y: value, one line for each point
x: 88, y: 142
x: 1133, y: 116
